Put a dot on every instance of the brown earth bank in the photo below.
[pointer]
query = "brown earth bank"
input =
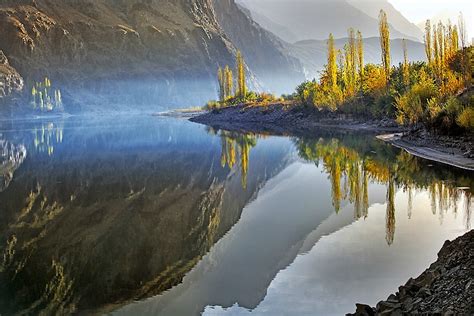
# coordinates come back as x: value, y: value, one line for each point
x: 445, y: 288
x: 285, y: 118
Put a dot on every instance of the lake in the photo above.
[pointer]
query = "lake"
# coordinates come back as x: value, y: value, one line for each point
x: 141, y: 215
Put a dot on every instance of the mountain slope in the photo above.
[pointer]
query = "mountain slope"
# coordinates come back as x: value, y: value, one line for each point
x: 10, y: 79
x: 265, y: 54
x: 159, y: 52
x: 86, y: 43
x: 313, y: 19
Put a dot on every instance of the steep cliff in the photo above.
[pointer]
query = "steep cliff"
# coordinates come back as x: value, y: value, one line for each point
x: 266, y: 54
x: 160, y: 52
x: 10, y: 79
x: 82, y: 43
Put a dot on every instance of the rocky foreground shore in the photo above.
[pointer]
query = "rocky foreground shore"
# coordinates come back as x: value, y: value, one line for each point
x: 445, y: 288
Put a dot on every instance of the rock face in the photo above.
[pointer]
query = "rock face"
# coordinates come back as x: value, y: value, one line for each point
x: 111, y: 45
x: 445, y: 288
x: 81, y: 43
x: 267, y: 55
x: 10, y: 79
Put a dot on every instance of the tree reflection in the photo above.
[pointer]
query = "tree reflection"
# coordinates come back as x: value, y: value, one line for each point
x: 233, y: 144
x: 47, y: 136
x: 361, y: 163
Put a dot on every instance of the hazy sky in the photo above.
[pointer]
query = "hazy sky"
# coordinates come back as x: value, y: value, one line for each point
x: 419, y: 10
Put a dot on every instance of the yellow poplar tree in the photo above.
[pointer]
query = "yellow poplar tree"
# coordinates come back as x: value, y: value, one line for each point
x: 406, y: 66
x: 428, y: 48
x: 241, y: 85
x: 385, y: 43
x: 332, y: 62
x: 360, y: 56
x: 220, y: 78
x: 228, y: 82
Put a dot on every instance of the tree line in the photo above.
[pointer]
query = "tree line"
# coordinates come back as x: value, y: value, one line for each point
x: 436, y: 93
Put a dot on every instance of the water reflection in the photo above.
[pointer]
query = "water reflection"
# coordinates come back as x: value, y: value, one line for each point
x: 121, y: 210
x: 351, y: 166
x: 11, y: 158
x: 163, y: 211
x: 47, y: 135
x: 233, y: 143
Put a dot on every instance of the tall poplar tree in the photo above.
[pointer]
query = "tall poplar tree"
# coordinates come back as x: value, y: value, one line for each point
x: 332, y: 63
x: 406, y: 66
x: 360, y: 56
x: 228, y: 82
x: 385, y: 43
x: 441, y: 46
x: 428, y: 47
x: 241, y: 84
x: 220, y: 78
x: 436, y: 53
x: 352, y: 59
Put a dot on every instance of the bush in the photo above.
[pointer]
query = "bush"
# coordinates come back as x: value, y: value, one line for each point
x: 410, y: 108
x: 466, y: 119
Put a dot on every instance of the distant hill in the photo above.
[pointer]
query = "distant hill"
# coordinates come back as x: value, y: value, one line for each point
x: 395, y: 18
x: 314, y: 19
x: 313, y: 53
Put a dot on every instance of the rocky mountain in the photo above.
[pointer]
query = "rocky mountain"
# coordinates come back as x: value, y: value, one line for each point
x: 167, y: 50
x: 315, y: 19
x: 10, y: 79
x: 313, y: 53
x: 265, y: 53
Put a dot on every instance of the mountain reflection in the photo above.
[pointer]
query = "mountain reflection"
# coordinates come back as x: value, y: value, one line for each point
x: 11, y: 158
x: 122, y: 211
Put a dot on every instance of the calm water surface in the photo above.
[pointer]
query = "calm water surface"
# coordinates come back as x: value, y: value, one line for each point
x: 138, y: 215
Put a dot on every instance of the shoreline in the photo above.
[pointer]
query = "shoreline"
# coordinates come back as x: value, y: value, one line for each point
x: 284, y: 119
x: 288, y: 120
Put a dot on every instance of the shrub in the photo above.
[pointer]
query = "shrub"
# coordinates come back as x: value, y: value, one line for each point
x: 466, y: 119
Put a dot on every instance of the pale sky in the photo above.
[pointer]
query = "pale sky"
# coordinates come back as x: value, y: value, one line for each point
x: 420, y: 10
